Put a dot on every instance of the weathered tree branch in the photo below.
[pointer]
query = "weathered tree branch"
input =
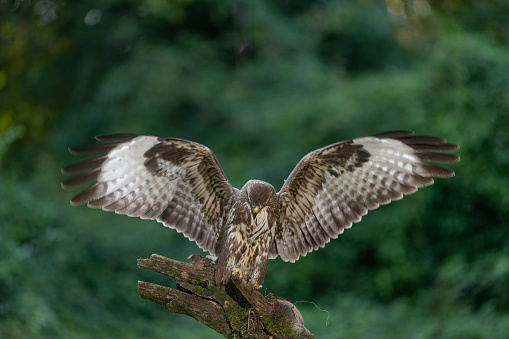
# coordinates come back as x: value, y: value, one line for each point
x: 235, y: 312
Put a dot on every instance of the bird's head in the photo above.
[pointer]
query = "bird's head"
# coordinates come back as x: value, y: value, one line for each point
x: 259, y: 195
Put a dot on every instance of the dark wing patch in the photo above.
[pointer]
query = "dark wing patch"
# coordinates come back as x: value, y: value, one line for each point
x: 175, y: 181
x: 335, y: 186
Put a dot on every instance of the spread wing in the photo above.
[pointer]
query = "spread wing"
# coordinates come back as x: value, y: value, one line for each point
x: 333, y: 187
x: 177, y: 182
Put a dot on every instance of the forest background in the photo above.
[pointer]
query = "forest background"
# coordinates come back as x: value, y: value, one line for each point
x: 261, y: 83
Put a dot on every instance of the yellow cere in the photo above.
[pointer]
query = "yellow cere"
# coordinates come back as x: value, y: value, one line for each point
x: 256, y: 210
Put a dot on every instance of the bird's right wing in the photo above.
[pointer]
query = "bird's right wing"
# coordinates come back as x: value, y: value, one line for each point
x: 177, y: 182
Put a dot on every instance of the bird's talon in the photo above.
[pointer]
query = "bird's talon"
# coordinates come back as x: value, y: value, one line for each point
x: 254, y: 285
x: 238, y: 274
x: 246, y: 278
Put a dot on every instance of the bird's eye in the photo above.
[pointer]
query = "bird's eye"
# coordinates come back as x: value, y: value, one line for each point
x: 256, y: 210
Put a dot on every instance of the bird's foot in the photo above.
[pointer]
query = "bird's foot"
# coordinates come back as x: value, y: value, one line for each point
x: 255, y: 285
x: 245, y: 277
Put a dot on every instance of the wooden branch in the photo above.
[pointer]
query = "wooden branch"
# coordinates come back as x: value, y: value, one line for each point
x: 235, y: 311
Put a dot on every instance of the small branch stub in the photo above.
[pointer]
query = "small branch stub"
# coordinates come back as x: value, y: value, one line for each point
x: 233, y: 311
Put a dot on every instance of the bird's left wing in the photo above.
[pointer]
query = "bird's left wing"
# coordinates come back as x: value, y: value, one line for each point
x: 177, y: 182
x: 333, y: 187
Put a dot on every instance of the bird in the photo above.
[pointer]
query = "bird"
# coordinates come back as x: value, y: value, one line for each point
x: 181, y: 184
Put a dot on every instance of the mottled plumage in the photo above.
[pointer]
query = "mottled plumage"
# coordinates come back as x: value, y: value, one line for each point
x: 180, y: 184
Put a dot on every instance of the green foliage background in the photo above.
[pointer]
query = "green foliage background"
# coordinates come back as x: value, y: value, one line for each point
x: 261, y: 83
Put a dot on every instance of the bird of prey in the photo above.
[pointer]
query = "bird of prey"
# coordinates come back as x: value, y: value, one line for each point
x: 181, y: 184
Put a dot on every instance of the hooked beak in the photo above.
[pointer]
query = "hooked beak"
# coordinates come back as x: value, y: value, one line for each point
x: 255, y: 212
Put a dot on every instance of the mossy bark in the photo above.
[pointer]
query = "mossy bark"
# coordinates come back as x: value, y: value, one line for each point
x: 233, y: 311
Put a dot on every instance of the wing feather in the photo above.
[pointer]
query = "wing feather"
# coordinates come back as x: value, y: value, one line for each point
x: 333, y: 187
x: 177, y: 182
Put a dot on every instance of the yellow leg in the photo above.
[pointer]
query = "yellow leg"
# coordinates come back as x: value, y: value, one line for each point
x: 243, y: 276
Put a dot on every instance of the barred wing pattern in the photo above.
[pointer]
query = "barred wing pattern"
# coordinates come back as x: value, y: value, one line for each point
x: 333, y: 187
x: 177, y: 182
